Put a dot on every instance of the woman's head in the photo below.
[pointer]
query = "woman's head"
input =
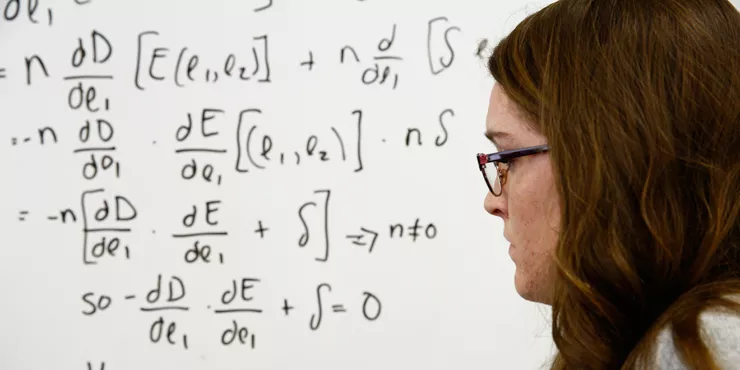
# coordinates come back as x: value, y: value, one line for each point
x: 637, y: 200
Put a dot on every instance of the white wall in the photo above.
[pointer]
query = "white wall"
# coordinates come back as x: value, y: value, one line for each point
x: 447, y: 301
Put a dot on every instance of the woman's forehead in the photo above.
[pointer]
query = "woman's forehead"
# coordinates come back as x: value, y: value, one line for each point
x: 503, y: 123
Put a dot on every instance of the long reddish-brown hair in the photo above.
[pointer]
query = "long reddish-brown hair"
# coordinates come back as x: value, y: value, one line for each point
x: 640, y: 103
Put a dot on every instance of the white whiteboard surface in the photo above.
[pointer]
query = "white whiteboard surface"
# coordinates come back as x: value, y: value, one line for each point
x: 359, y: 295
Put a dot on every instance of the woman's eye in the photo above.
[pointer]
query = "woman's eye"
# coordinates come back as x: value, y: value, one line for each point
x: 509, y: 163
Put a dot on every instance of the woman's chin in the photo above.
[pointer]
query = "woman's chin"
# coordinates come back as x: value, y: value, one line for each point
x: 527, y: 288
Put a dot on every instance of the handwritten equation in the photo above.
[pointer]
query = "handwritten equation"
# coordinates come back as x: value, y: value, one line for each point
x: 104, y: 219
x: 212, y: 148
x: 237, y: 300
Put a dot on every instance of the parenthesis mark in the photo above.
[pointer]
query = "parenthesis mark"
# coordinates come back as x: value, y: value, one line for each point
x: 239, y: 138
x: 177, y: 67
x: 256, y: 61
x: 249, y: 153
x: 341, y: 143
x: 51, y: 17
x: 265, y: 7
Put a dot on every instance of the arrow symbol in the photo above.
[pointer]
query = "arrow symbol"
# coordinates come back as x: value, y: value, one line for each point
x: 358, y: 239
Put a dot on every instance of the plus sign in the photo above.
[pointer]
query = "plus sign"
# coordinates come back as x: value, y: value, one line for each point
x: 310, y: 62
x: 286, y: 307
x: 261, y: 230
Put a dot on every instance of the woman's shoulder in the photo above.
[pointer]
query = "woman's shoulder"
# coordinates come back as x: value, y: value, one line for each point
x: 720, y: 330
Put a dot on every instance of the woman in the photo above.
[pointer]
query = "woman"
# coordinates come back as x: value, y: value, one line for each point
x: 619, y: 180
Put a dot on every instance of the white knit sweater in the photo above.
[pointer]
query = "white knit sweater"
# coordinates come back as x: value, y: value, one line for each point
x: 720, y: 330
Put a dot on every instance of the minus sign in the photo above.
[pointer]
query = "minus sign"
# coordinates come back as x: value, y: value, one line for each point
x: 130, y: 297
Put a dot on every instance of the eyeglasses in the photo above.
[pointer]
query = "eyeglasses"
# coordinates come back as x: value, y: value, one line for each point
x: 497, y: 172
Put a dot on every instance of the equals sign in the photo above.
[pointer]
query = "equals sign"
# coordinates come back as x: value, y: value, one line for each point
x: 2, y: 72
x: 338, y: 308
x: 22, y: 215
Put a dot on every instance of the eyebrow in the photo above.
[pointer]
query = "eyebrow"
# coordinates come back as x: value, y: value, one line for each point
x: 496, y: 136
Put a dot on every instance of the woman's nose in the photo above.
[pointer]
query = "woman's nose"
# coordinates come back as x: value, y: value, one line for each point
x: 494, y: 205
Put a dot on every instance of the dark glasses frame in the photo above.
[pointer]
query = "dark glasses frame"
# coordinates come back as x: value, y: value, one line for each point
x: 504, y: 157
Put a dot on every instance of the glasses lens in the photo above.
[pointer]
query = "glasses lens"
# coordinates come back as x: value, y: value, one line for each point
x: 493, y: 179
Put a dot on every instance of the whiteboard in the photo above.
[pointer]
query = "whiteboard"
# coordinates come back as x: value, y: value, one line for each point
x: 247, y: 185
